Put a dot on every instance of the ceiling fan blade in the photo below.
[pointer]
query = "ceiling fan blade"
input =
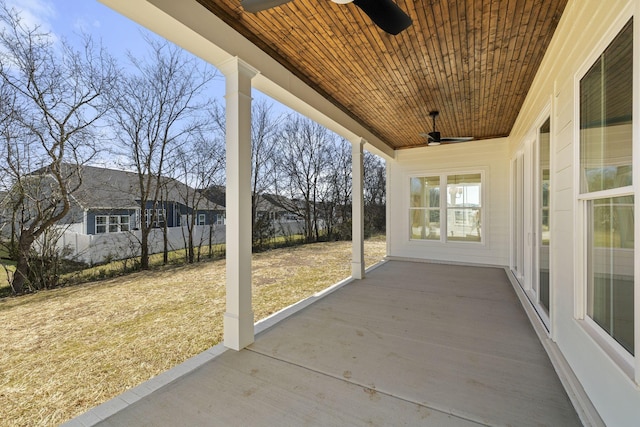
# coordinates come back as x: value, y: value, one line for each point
x: 254, y: 6
x: 453, y: 139
x: 431, y: 136
x: 385, y: 14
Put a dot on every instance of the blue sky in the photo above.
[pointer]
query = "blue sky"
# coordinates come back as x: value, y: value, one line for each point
x: 68, y: 18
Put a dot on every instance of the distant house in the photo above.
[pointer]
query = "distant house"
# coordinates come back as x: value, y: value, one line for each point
x: 275, y: 215
x: 106, y: 215
x: 276, y: 208
x: 108, y: 201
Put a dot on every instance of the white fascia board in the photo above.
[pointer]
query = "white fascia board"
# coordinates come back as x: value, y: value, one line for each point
x: 191, y: 26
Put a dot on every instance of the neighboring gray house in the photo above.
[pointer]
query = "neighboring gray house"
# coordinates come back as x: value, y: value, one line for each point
x: 106, y: 215
x: 108, y: 201
x: 276, y: 208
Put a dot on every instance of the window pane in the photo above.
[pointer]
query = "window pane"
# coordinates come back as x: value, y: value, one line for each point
x: 425, y: 224
x: 101, y: 220
x: 606, y: 96
x: 463, y: 225
x: 610, y: 284
x: 425, y: 192
x: 545, y: 157
x: 463, y: 207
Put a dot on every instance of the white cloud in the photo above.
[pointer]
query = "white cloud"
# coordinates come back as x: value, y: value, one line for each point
x: 35, y: 12
x: 82, y: 25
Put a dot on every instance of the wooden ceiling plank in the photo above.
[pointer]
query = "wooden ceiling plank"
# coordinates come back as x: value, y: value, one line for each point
x: 509, y: 109
x: 433, y: 19
x: 512, y: 16
x: 472, y: 59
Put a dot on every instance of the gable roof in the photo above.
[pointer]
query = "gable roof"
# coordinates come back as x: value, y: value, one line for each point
x: 104, y: 188
x: 265, y: 202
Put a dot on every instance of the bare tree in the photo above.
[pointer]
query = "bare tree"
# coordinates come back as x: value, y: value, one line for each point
x: 265, y: 128
x: 303, y: 146
x: 200, y: 165
x: 157, y: 106
x: 335, y: 194
x: 375, y: 181
x: 54, y: 97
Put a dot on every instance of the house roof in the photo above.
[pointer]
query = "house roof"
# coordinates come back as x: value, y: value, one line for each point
x: 472, y: 60
x: 265, y: 202
x: 111, y: 188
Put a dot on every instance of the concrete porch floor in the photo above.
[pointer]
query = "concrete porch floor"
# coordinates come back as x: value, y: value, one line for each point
x: 412, y: 344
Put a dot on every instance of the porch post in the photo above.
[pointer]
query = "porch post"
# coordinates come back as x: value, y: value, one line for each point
x: 357, y: 215
x: 238, y: 318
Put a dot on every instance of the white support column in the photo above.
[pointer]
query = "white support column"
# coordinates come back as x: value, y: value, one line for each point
x: 238, y: 318
x: 357, y: 215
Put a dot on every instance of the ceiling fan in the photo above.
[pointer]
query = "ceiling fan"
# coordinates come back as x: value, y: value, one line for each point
x: 434, y: 137
x: 384, y: 13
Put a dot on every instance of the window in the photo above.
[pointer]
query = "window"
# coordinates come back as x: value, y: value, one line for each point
x: 462, y: 207
x: 220, y: 219
x: 544, y: 229
x: 202, y: 219
x: 424, y: 208
x: 111, y: 223
x: 157, y: 215
x: 101, y: 224
x: 606, y: 190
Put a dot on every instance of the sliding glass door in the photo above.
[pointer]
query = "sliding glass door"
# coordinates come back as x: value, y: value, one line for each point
x: 531, y: 225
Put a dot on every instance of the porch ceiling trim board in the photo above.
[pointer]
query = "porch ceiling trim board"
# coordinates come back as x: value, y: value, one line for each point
x: 191, y: 26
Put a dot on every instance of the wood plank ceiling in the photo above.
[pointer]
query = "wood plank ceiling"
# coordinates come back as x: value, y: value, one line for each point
x: 473, y: 60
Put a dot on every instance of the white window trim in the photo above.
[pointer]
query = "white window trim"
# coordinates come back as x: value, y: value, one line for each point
x: 628, y: 363
x: 444, y: 208
x: 108, y: 223
x: 160, y: 213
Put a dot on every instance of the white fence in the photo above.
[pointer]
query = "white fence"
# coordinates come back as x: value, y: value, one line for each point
x: 98, y: 248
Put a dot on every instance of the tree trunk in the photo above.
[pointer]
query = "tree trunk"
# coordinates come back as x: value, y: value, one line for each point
x: 21, y: 275
x: 190, y: 243
x: 210, y: 240
x: 144, y: 250
x: 165, y: 251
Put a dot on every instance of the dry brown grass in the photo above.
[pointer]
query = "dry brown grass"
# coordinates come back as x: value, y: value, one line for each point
x: 67, y: 350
